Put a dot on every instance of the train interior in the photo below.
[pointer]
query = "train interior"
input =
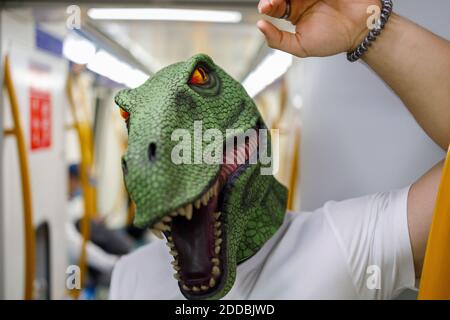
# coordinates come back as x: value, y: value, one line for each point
x: 62, y: 136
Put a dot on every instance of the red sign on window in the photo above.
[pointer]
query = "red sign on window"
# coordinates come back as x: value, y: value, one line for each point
x: 40, y: 119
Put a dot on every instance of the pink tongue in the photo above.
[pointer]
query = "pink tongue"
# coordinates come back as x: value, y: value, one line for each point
x: 237, y: 156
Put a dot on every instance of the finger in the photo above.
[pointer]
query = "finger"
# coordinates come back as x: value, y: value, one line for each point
x: 264, y: 6
x: 273, y: 8
x: 282, y: 40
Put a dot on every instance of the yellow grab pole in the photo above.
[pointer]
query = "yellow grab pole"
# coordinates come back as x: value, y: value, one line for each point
x: 30, y: 248
x: 294, y: 172
x: 88, y: 150
x: 84, y: 132
x: 435, y: 279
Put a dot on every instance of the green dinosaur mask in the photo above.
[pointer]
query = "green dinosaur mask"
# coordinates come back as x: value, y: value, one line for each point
x: 212, y: 215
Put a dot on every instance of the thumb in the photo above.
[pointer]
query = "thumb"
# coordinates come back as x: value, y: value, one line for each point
x: 282, y: 40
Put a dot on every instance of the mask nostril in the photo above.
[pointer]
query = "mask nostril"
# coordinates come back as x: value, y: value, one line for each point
x: 124, y: 167
x: 152, y: 152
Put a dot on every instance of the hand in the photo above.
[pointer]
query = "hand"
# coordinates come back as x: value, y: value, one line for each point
x: 322, y: 27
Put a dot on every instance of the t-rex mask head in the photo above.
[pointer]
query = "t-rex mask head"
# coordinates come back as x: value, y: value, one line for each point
x: 212, y: 215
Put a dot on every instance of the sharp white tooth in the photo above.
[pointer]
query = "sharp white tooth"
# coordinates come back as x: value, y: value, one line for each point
x: 167, y: 219
x: 204, y: 288
x: 157, y: 233
x: 197, y: 203
x: 217, y: 224
x: 218, y: 242
x: 205, y: 199
x: 161, y: 226
x: 217, y: 249
x: 174, y: 262
x: 177, y: 276
x: 215, y: 261
x: 181, y: 211
x: 216, y: 189
x: 217, y: 215
x: 186, y: 288
x: 174, y: 214
x: 188, y: 210
x: 217, y: 233
x: 212, y: 282
x: 195, y: 289
x: 215, y: 271
x: 177, y: 268
x: 173, y: 253
x: 170, y: 245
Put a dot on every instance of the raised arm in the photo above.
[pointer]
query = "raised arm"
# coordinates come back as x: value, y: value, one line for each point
x: 414, y: 62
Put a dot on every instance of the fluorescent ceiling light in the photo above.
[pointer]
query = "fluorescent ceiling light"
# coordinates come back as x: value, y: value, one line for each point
x: 170, y: 14
x: 78, y: 49
x: 109, y: 66
x: 270, y: 69
x: 134, y: 78
x: 81, y: 51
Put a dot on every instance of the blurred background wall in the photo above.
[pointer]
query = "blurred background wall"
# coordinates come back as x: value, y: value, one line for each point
x: 357, y: 137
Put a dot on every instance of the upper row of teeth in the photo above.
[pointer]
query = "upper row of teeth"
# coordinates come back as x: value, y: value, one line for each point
x: 186, y: 211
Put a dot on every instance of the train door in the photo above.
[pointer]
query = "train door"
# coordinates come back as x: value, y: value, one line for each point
x: 37, y: 78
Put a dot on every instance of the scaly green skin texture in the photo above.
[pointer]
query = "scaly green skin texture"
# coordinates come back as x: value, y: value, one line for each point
x: 253, y: 205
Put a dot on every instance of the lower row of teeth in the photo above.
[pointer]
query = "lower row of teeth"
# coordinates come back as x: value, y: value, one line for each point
x: 215, y: 261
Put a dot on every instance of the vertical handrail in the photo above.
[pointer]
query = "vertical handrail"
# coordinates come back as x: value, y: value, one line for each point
x: 88, y: 150
x: 85, y: 141
x: 294, y: 171
x: 435, y: 279
x: 30, y: 246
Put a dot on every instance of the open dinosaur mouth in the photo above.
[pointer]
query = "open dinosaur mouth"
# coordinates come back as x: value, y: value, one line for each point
x: 195, y: 232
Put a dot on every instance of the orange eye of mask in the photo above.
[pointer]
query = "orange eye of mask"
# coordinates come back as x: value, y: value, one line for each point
x: 124, y: 114
x: 199, y: 76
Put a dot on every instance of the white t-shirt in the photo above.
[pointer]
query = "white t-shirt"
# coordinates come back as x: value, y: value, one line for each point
x: 354, y: 249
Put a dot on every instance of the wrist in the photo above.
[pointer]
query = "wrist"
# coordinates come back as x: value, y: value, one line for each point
x: 375, y: 29
x: 359, y: 38
x: 361, y: 17
x: 386, y: 42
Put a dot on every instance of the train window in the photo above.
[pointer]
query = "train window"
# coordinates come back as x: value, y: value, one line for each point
x: 42, y: 283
